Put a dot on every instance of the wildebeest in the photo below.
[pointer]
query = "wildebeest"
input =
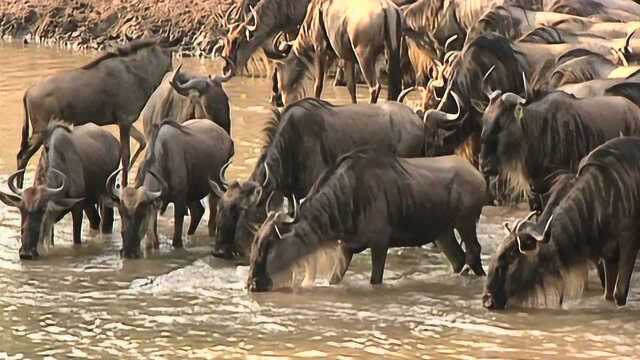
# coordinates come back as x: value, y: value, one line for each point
x: 111, y: 89
x: 528, y: 142
x: 598, y: 87
x: 357, y: 31
x: 372, y: 199
x: 302, y: 141
x: 70, y: 177
x: 183, y: 96
x: 264, y: 22
x: 595, y: 220
x: 180, y: 161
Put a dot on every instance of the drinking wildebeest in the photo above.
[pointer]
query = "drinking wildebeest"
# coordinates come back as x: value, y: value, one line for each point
x: 594, y: 220
x: 70, y: 177
x: 528, y: 142
x: 180, y: 161
x: 301, y: 142
x: 112, y: 89
x: 372, y: 199
x: 263, y: 23
x: 357, y: 31
x: 184, y: 96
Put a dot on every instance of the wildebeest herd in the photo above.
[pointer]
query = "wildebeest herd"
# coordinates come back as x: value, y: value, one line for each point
x: 541, y: 96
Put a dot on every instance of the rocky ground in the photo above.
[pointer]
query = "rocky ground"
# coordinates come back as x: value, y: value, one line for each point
x: 98, y: 24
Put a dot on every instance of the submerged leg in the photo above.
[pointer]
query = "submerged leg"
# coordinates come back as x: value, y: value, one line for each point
x: 450, y: 247
x: 76, y: 214
x: 213, y: 212
x: 125, y: 151
x: 93, y: 216
x: 472, y: 247
x: 106, y: 227
x: 378, y: 259
x: 180, y: 210
x: 610, y: 276
x: 34, y: 143
x: 628, y: 254
x: 350, y: 72
x: 196, y: 210
x: 341, y: 268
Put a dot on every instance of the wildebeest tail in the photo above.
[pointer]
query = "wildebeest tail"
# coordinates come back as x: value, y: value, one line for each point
x: 393, y: 37
x: 24, y: 143
x: 629, y: 90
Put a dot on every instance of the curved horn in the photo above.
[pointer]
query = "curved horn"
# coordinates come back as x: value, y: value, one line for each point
x: 620, y: 56
x: 286, y: 218
x: 443, y: 118
x: 627, y: 42
x: 226, y: 21
x: 449, y: 41
x: 221, y: 174
x: 531, y: 215
x: 227, y: 75
x: 152, y: 195
x: 56, y: 191
x: 179, y: 88
x: 485, y: 77
x: 217, y: 49
x: 512, y: 99
x: 524, y: 81
x: 266, y: 178
x: 111, y: 189
x: 253, y: 27
x: 11, y: 182
x: 281, y: 46
x: 405, y: 92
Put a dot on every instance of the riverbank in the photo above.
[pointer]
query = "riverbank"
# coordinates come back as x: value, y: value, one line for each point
x: 100, y: 24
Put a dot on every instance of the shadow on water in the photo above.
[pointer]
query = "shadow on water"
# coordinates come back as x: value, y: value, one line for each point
x: 86, y: 301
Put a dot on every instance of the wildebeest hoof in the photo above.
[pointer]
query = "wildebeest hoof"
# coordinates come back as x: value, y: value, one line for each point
x: 335, y: 280
x: 339, y: 82
x: 222, y: 254
x: 621, y: 300
x: 465, y: 270
x: 477, y: 270
x: 276, y: 100
x: 28, y: 255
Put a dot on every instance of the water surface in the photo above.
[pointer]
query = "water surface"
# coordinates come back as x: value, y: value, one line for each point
x: 87, y: 302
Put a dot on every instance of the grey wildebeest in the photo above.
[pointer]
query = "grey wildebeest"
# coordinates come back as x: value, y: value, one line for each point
x: 357, y: 31
x: 112, y: 89
x: 180, y: 162
x: 372, y: 199
x: 301, y: 142
x: 70, y: 177
x: 521, y: 140
x: 183, y: 96
x: 545, y: 261
x: 264, y: 22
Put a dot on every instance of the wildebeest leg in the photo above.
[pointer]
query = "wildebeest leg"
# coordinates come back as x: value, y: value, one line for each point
x: 340, y: 74
x: 93, y: 216
x: 450, y: 247
x: 180, y: 210
x: 611, y: 274
x: 196, y: 210
x: 311, y: 268
x: 350, y: 72
x: 367, y: 61
x: 276, y: 96
x: 628, y: 253
x: 152, y: 232
x: 35, y: 141
x: 601, y: 273
x: 320, y: 63
x: 125, y: 147
x: 106, y: 227
x: 472, y: 247
x: 378, y: 259
x: 76, y: 215
x: 139, y: 138
x: 213, y: 211
x: 338, y: 273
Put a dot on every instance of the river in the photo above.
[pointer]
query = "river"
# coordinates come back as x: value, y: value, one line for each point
x: 86, y: 301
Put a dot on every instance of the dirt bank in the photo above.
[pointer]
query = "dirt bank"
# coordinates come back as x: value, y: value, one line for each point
x: 98, y: 24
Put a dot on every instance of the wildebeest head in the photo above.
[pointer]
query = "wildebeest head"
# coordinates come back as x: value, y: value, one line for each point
x: 207, y: 97
x: 502, y: 134
x: 438, y: 125
x: 136, y: 206
x: 270, y: 243
x: 235, y: 215
x: 39, y: 206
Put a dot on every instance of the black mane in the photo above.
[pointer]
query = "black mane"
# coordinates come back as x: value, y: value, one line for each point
x: 343, y: 195
x: 125, y: 50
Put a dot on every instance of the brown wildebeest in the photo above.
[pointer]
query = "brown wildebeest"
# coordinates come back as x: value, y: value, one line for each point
x: 112, y: 89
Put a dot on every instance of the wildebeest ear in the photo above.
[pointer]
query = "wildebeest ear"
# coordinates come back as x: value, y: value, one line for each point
x: 215, y: 188
x: 63, y: 204
x: 529, y: 234
x: 10, y: 200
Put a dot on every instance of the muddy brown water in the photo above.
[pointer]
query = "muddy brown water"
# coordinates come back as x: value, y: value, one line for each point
x: 87, y: 302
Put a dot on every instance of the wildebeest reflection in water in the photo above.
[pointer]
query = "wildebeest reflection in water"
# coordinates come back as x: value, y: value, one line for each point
x: 372, y: 199
x: 595, y: 221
